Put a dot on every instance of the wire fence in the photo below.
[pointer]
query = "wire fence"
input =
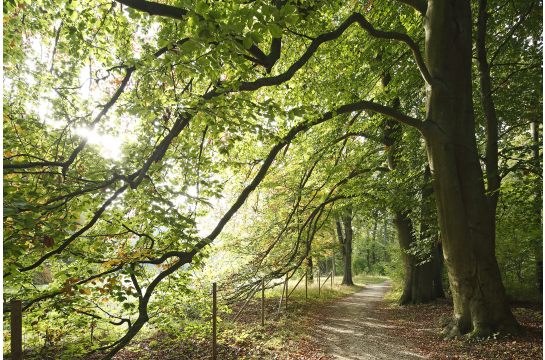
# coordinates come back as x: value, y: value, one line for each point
x: 16, y: 314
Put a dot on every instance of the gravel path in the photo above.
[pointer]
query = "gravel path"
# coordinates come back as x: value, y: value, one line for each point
x: 353, y: 329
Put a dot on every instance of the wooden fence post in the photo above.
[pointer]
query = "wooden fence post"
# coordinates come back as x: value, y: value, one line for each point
x: 16, y: 330
x: 214, y: 352
x: 262, y: 301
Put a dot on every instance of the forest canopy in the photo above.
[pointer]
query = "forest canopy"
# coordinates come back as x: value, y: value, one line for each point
x: 140, y: 135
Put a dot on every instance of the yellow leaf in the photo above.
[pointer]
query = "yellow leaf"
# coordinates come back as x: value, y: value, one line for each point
x: 9, y: 153
x: 6, y: 118
x: 18, y: 128
x: 104, y: 299
x: 111, y: 262
x: 85, y: 291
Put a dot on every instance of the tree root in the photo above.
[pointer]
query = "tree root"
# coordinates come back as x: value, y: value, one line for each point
x: 458, y: 328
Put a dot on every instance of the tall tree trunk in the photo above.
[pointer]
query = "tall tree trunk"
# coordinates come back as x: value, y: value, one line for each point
x: 538, y: 243
x: 421, y: 283
x: 405, y: 238
x: 385, y: 240
x: 425, y: 283
x: 467, y: 228
x: 418, y: 281
x: 373, y: 255
x: 438, y: 291
x: 347, y: 276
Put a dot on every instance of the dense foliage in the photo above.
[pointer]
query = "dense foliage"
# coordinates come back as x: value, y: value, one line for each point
x: 138, y: 133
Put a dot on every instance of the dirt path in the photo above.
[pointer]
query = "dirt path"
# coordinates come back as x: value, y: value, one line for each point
x: 353, y: 329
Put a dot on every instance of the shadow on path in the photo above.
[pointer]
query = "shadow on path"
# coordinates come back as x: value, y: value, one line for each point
x: 353, y: 329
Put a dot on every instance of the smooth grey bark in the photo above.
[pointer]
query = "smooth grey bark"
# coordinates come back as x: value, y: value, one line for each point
x: 480, y: 303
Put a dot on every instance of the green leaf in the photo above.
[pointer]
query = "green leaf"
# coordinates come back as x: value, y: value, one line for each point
x: 202, y: 7
x: 30, y: 223
x: 204, y: 33
x: 247, y: 42
x: 240, y: 47
x: 256, y: 37
x: 275, y: 30
x: 7, y: 211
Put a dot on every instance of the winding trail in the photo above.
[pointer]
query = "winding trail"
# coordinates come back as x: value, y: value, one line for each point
x: 353, y: 329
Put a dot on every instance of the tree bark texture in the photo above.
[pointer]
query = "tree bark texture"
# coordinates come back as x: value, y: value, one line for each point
x: 480, y: 303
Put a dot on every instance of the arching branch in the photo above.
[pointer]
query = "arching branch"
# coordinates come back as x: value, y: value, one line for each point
x: 419, y: 5
x: 326, y: 37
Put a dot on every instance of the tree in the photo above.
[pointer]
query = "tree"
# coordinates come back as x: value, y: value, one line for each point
x: 422, y: 272
x: 185, y: 86
x: 346, y: 245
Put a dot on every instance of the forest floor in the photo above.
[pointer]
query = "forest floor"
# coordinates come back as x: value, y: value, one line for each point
x: 421, y: 324
x: 287, y: 335
x: 341, y: 322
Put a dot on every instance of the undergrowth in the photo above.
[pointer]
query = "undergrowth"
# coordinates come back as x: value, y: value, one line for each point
x: 285, y: 332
